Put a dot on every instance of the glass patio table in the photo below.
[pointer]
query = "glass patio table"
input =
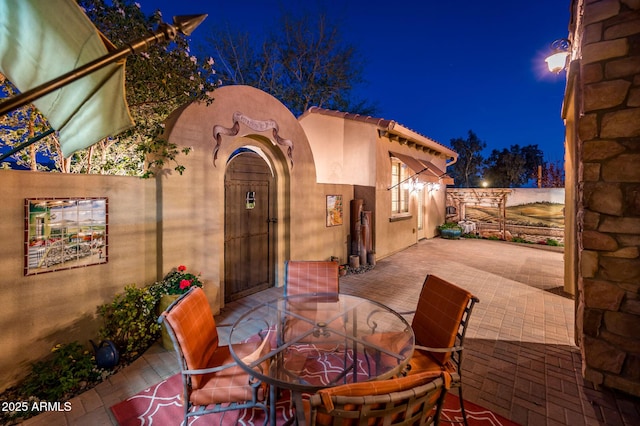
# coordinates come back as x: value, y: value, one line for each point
x: 315, y: 341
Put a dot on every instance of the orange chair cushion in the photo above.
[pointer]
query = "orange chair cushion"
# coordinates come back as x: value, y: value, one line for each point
x: 311, y: 277
x: 438, y: 314
x: 195, y: 329
x: 393, y: 341
x: 425, y: 362
x: 228, y: 385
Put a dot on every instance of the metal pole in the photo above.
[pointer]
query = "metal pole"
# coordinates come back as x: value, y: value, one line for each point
x: 25, y: 144
x: 166, y: 32
x: 410, y: 177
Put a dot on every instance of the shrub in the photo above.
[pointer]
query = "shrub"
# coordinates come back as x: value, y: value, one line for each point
x: 130, y: 320
x: 68, y: 370
x: 450, y: 225
x: 177, y: 281
x: 520, y: 240
x: 472, y: 236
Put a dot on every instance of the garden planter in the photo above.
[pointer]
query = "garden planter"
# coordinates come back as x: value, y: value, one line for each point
x: 450, y: 233
x: 165, y: 301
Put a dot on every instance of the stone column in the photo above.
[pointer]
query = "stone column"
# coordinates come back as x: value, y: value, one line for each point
x: 608, y: 311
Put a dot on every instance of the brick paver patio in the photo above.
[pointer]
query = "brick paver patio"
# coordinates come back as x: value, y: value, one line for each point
x: 520, y: 358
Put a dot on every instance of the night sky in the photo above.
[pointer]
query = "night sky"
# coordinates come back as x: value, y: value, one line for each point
x: 440, y: 68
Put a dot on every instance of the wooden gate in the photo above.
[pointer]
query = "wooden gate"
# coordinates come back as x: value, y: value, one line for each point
x: 248, y: 245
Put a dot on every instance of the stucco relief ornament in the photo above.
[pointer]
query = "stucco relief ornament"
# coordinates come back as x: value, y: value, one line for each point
x: 257, y: 125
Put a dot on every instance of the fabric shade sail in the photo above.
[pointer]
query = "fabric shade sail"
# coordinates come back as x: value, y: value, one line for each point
x: 425, y: 174
x: 44, y: 39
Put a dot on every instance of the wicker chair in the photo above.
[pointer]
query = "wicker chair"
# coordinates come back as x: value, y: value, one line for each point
x: 411, y: 400
x: 212, y: 381
x: 439, y: 325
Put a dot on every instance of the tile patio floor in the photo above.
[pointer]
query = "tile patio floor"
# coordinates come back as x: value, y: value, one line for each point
x: 520, y: 356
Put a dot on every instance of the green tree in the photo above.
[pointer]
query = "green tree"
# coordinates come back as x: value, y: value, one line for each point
x: 302, y: 62
x: 513, y: 167
x: 21, y: 125
x: 467, y: 171
x: 158, y: 81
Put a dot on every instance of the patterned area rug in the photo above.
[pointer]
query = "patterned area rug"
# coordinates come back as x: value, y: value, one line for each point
x: 161, y: 405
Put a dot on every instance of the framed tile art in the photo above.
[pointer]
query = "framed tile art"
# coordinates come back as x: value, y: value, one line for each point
x: 63, y: 233
x: 334, y: 210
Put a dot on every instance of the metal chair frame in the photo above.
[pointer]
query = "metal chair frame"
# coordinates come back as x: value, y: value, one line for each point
x: 410, y: 405
x: 190, y: 409
x: 457, y: 350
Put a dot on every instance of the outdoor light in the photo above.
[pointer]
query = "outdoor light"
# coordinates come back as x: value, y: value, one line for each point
x: 413, y: 184
x: 557, y: 61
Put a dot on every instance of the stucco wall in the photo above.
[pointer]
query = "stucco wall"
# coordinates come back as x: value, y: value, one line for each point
x: 363, y: 159
x: 343, y: 149
x: 40, y: 311
x: 157, y: 224
x: 192, y: 204
x: 393, y: 235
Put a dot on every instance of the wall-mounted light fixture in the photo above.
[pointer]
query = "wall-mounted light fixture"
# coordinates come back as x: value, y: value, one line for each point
x: 557, y: 61
x: 413, y: 184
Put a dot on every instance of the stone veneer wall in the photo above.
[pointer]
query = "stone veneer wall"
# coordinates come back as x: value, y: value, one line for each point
x: 607, y: 39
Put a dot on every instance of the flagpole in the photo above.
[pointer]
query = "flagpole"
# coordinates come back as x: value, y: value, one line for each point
x: 25, y: 144
x: 165, y: 32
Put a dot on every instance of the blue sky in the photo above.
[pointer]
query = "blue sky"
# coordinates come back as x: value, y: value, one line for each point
x: 438, y: 67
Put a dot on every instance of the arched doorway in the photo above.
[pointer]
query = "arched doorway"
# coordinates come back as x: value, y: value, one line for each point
x: 249, y: 228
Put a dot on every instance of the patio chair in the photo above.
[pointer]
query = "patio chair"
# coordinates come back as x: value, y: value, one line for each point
x: 314, y: 285
x: 317, y: 284
x: 439, y: 325
x: 310, y: 276
x: 212, y: 380
x: 411, y: 400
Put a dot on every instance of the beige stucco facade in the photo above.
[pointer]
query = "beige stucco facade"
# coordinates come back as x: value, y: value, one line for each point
x: 192, y: 204
x: 357, y: 150
x: 157, y: 224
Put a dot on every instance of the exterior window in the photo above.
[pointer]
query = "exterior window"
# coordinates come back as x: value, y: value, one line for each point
x: 399, y: 194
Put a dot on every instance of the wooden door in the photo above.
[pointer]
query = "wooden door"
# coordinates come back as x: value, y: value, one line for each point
x: 248, y: 245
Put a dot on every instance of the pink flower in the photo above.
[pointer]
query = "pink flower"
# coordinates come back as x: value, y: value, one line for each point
x: 185, y: 284
x: 182, y: 268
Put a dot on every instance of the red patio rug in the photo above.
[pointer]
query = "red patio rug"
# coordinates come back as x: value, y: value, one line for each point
x: 160, y: 405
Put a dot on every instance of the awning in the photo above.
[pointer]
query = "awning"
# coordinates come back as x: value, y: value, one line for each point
x: 443, y: 177
x: 432, y: 168
x: 418, y: 166
x: 41, y: 40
